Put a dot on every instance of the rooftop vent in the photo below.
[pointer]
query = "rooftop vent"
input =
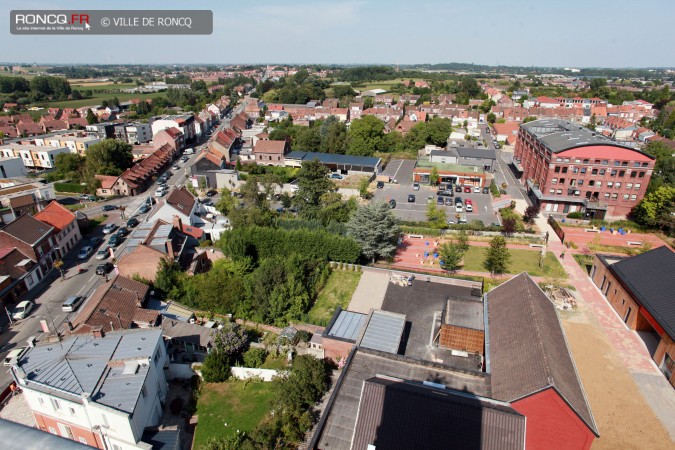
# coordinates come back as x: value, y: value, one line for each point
x: 130, y: 368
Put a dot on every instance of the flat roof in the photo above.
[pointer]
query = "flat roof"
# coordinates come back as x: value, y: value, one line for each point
x: 347, y: 325
x: 450, y: 167
x: 384, y: 331
x: 464, y: 313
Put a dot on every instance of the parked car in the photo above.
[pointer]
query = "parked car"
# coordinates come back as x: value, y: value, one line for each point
x: 336, y: 176
x: 144, y: 209
x: 467, y: 189
x: 486, y: 190
x: 459, y: 208
x: 109, y: 207
x: 469, y: 207
x: 115, y: 240
x: 458, y: 200
x: 451, y: 221
x: 13, y: 356
x: 476, y: 190
x: 416, y: 186
x: 85, y: 253
x: 176, y: 167
x: 462, y: 219
x: 458, y: 188
x: 109, y: 228
x: 211, y: 193
x: 411, y: 198
x: 132, y: 222
x: 160, y: 192
x: 104, y: 268
x: 444, y: 187
x: 392, y: 203
x: 22, y: 310
x: 72, y: 303
x: 123, y: 231
x: 103, y: 253
x: 439, y: 200
x: 95, y: 241
x: 497, y: 146
x: 445, y: 193
x: 448, y: 201
x: 380, y: 184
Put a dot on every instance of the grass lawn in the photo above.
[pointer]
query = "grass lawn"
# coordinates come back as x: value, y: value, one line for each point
x: 277, y: 363
x: 242, y: 406
x: 521, y: 261
x: 337, y: 292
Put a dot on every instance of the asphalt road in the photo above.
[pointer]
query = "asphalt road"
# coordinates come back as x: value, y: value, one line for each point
x: 503, y: 173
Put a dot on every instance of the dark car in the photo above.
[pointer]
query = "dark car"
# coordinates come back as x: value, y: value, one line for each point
x: 132, y: 222
x: 95, y: 241
x: 211, y: 193
x: 123, y: 231
x: 458, y: 188
x: 115, y: 240
x: 104, y: 268
x: 109, y: 207
x: 144, y: 209
x: 448, y: 201
x: 439, y: 200
x: 486, y: 190
x: 445, y: 193
x: 380, y: 184
x: 411, y: 198
x: 392, y: 203
x: 458, y: 200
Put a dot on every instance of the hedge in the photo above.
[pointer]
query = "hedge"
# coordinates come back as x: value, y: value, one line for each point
x: 69, y: 187
x: 264, y: 243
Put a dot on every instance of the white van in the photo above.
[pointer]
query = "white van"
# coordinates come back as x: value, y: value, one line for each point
x: 160, y: 191
x: 189, y: 151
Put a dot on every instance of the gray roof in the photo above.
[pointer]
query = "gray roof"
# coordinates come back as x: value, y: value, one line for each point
x: 80, y: 364
x: 528, y: 350
x: 28, y: 229
x: 337, y: 426
x: 383, y: 331
x: 464, y: 313
x: 394, y: 414
x: 347, y: 325
x: 162, y: 439
x: 560, y: 135
x: 29, y: 438
x: 334, y: 158
x: 188, y: 332
x: 649, y: 277
x: 468, y: 152
x: 442, y: 154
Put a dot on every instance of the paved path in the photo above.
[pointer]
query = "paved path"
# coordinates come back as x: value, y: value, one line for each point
x: 369, y: 292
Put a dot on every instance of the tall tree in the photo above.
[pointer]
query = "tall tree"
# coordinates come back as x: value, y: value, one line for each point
x: 374, y: 227
x: 451, y: 253
x: 436, y: 216
x: 656, y: 208
x: 313, y: 182
x: 366, y: 136
x: 108, y: 157
x: 497, y: 256
x: 91, y: 117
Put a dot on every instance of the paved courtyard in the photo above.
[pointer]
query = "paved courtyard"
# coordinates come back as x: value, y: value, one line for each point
x: 16, y: 409
x: 370, y: 291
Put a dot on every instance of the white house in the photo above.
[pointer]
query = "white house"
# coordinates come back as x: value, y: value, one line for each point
x: 102, y: 389
x: 180, y: 202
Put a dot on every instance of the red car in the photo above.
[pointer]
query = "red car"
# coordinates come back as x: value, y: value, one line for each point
x: 468, y: 201
x: 467, y: 189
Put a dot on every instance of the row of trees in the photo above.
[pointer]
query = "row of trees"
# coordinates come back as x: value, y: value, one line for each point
x: 497, y: 255
x: 657, y: 208
x: 39, y: 88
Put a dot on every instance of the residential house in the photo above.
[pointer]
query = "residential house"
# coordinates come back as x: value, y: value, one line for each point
x: 184, y: 123
x: 170, y: 136
x: 18, y: 274
x: 102, y: 389
x: 32, y: 238
x: 150, y: 242
x: 639, y: 288
x: 107, y: 184
x: 33, y: 157
x: 271, y: 153
x: 223, y: 142
x: 136, y: 179
x: 102, y: 130
x: 502, y: 131
x: 12, y: 166
x: 179, y: 202
x: 66, y: 231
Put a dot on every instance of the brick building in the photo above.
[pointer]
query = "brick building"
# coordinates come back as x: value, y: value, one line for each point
x: 569, y: 168
x: 640, y: 290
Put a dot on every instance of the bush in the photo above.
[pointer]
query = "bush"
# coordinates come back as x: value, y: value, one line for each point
x: 216, y: 367
x: 495, y: 190
x: 69, y: 187
x: 575, y: 215
x: 255, y: 357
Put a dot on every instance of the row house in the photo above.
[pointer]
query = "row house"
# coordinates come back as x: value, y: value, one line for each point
x: 33, y: 157
x: 240, y: 122
x: 66, y: 231
x: 322, y: 113
x: 385, y: 99
x: 18, y: 274
x: 184, y: 123
x: 28, y: 198
x: 223, y: 143
x: 172, y: 137
x: 34, y: 239
x: 75, y: 143
x: 133, y: 133
x: 383, y: 113
x: 49, y: 125
x: 633, y: 113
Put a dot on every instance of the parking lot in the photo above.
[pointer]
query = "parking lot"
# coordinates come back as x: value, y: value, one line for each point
x: 417, y: 211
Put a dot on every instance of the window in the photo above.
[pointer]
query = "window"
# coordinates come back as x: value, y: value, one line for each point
x: 636, y: 164
x: 558, y: 160
x: 52, y: 430
x: 566, y: 160
x: 622, y: 173
x: 633, y: 174
x: 577, y: 161
x: 591, y: 183
x: 586, y: 161
x: 564, y: 169
x: 551, y: 191
x: 613, y: 173
x: 562, y: 181
x: 616, y: 163
x: 641, y: 174
x: 605, y: 162
x: 645, y: 164
x: 554, y: 180
x: 575, y: 170
x: 72, y: 411
x: 615, y: 196
x: 557, y: 170
x: 55, y: 404
x: 580, y: 183
x: 637, y: 186
x: 667, y: 366
x: 629, y: 185
x: 624, y: 163
x: 594, y: 172
x: 573, y: 182
x: 625, y: 196
x: 583, y: 170
x: 559, y: 191
x: 633, y: 198
x: 598, y: 184
x: 606, y: 194
x: 42, y: 401
x: 617, y: 185
x: 602, y: 171
x: 597, y: 161
x: 609, y: 184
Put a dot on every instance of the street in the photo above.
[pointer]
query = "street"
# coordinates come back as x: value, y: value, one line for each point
x: 503, y: 174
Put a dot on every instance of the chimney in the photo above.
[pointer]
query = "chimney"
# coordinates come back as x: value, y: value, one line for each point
x: 177, y: 223
x: 98, y: 332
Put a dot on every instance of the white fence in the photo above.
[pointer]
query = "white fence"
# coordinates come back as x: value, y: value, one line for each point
x: 180, y: 371
x: 244, y: 373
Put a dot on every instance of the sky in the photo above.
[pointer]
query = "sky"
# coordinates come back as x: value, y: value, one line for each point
x: 548, y: 33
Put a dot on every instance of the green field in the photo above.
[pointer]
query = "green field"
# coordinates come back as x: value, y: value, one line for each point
x: 337, y: 292
x: 100, y: 96
x: 100, y: 87
x: 521, y: 261
x: 239, y: 404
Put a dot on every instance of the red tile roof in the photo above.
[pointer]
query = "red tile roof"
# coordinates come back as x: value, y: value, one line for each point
x: 56, y: 215
x: 182, y: 200
x: 107, y: 181
x: 274, y: 147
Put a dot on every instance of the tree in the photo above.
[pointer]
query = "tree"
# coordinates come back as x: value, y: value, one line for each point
x: 491, y: 118
x: 91, y: 117
x: 168, y: 276
x: 70, y: 166
x: 497, y: 256
x: 433, y: 176
x: 216, y: 367
x: 656, y: 208
x: 375, y: 229
x: 451, y: 254
x: 58, y: 264
x: 364, y: 183
x: 366, y: 136
x: 509, y: 225
x: 664, y: 168
x: 531, y: 213
x: 313, y: 182
x: 255, y: 357
x: 463, y: 240
x: 306, y: 383
x: 436, y: 216
x: 108, y: 157
x: 231, y: 340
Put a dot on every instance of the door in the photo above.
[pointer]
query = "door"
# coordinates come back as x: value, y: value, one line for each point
x: 625, y: 319
x: 66, y: 432
x: 566, y: 208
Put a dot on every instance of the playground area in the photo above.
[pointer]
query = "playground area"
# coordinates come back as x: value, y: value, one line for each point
x: 610, y: 236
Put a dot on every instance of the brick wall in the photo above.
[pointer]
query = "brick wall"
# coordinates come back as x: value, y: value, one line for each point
x: 464, y: 339
x: 82, y: 435
x: 334, y: 349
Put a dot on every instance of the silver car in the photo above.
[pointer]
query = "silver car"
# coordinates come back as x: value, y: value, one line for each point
x: 22, y: 310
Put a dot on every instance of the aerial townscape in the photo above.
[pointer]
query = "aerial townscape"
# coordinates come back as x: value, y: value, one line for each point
x: 340, y: 255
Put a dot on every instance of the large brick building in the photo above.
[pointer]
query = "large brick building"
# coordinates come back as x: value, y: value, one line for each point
x: 640, y: 289
x: 569, y: 168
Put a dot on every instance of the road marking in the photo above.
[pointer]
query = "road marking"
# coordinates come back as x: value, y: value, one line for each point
x: 86, y: 283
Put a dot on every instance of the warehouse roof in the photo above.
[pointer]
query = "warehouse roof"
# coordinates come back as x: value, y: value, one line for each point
x: 334, y: 158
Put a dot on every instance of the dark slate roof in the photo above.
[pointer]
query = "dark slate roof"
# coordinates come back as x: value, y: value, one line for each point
x: 162, y: 439
x: 468, y: 152
x: 560, y: 135
x: 333, y: 158
x: 28, y: 229
x: 528, y: 350
x: 395, y: 415
x: 650, y: 278
x: 337, y: 426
